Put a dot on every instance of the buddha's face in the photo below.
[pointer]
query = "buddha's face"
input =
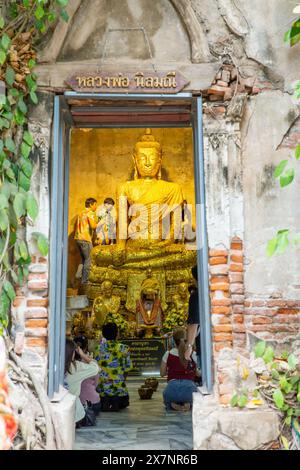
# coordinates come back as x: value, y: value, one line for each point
x: 148, y: 162
x: 107, y: 288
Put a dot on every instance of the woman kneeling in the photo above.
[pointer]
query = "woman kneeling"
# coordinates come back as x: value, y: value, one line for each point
x: 181, y: 375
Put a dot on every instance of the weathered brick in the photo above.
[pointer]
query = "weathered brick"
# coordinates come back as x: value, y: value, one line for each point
x: 216, y: 260
x: 37, y: 285
x: 36, y: 323
x: 236, y: 277
x: 220, y: 278
x: 276, y: 303
x: 37, y: 268
x: 235, y: 267
x: 37, y: 276
x: 238, y: 318
x: 261, y: 320
x: 222, y: 337
x: 237, y: 299
x: 287, y: 311
x: 37, y: 303
x: 293, y: 303
x: 287, y: 319
x: 260, y: 311
x: 216, y: 90
x: 238, y: 309
x: 219, y: 346
x: 226, y: 389
x: 222, y: 328
x: 237, y: 258
x: 219, y: 269
x: 236, y: 288
x: 36, y: 342
x: 36, y: 332
x: 218, y: 253
x: 236, y: 244
x: 221, y: 310
x: 43, y: 260
x: 18, y: 301
x: 238, y: 328
x: 224, y: 286
x: 221, y: 302
x: 258, y: 303
x: 36, y: 312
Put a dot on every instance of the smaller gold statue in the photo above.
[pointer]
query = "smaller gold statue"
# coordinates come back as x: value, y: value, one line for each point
x: 177, y: 314
x: 149, y: 310
x: 105, y: 304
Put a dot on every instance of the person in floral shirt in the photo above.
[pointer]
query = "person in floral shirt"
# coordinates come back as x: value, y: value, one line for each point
x: 114, y: 363
x: 8, y: 424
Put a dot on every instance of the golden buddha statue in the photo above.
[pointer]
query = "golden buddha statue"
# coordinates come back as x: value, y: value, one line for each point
x: 178, y: 312
x: 104, y: 304
x: 149, y: 231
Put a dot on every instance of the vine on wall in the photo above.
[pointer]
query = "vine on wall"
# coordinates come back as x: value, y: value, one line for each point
x: 22, y: 25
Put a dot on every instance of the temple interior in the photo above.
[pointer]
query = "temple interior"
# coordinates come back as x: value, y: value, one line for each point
x: 101, y: 161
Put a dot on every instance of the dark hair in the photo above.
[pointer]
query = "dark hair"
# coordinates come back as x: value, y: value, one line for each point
x: 90, y: 201
x: 195, y: 272
x: 82, y: 342
x: 179, y: 336
x: 109, y: 200
x: 110, y: 331
x: 70, y: 349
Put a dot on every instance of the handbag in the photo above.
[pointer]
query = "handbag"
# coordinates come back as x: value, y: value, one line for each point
x: 90, y: 416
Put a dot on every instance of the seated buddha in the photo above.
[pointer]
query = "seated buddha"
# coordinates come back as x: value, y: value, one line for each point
x: 149, y: 218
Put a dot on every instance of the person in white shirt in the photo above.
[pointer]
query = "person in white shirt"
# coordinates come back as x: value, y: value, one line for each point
x: 106, y: 228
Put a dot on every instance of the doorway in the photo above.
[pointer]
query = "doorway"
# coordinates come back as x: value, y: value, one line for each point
x: 114, y: 111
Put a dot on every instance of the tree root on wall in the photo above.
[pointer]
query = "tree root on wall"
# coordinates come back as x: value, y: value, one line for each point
x: 31, y: 404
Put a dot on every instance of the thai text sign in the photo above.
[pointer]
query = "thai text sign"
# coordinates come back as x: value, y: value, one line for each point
x: 145, y: 354
x: 130, y: 82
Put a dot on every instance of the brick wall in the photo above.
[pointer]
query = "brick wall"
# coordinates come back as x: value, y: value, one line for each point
x: 30, y: 310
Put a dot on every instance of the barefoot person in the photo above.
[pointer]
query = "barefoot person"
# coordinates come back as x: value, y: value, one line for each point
x: 181, y: 375
x: 86, y: 223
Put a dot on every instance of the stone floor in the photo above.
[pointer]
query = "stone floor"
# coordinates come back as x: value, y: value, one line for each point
x: 144, y: 425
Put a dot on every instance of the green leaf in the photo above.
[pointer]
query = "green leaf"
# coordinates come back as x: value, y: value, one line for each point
x: 64, y: 16
x: 32, y: 206
x: 39, y: 12
x: 2, y: 22
x: 287, y: 178
x: 23, y: 249
x: 285, y: 442
x: 10, y: 145
x: 275, y: 374
x: 242, y: 401
x: 5, y: 42
x: 24, y: 181
x: 25, y: 149
x: 278, y: 399
x: 10, y: 76
x: 298, y: 397
x: 19, y: 205
x: 42, y: 243
x: 268, y: 355
x: 31, y: 63
x: 280, y: 168
x: 288, y: 420
x: 10, y: 291
x: 32, y: 85
x: 234, y: 400
x: 27, y: 137
x: 3, y: 219
x: 271, y: 247
x: 22, y: 106
x: 283, y: 241
x: 292, y: 361
x: 33, y: 97
x: 14, y: 92
x: 297, y: 152
x: 3, y: 201
x: 62, y: 3
x: 19, y: 117
x: 2, y: 56
x: 27, y: 167
x: 259, y: 348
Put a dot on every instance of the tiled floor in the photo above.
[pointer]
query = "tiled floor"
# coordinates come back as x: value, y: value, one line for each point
x: 144, y: 425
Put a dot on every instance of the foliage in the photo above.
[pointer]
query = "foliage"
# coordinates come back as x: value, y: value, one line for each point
x: 22, y: 24
x: 284, y: 171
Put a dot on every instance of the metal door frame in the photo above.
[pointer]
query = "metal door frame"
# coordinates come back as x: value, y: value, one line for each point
x: 59, y: 228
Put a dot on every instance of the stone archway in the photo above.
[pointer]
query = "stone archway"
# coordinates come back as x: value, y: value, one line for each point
x: 199, y: 49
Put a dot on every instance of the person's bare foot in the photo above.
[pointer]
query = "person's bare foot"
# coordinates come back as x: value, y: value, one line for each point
x: 186, y: 407
x: 176, y: 407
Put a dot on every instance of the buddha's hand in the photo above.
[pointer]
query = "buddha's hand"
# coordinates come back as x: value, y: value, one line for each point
x: 119, y: 256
